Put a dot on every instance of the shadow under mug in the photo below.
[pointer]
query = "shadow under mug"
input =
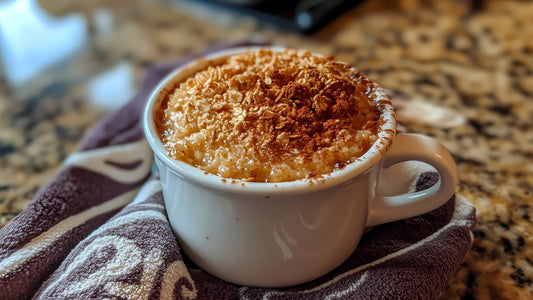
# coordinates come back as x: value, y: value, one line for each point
x: 287, y: 233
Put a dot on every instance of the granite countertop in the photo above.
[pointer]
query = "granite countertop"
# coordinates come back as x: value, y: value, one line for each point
x: 471, y: 59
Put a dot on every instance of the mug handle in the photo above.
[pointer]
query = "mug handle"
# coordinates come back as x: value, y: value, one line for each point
x: 407, y: 146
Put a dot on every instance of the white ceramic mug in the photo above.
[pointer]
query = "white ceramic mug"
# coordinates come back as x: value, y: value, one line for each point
x: 286, y: 233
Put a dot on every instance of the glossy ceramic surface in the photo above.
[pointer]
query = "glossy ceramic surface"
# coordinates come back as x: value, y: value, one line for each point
x: 281, y: 234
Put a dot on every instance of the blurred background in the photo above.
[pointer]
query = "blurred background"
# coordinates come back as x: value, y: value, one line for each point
x: 463, y: 69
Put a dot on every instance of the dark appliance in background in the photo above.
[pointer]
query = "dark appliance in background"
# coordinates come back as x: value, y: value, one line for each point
x: 303, y: 16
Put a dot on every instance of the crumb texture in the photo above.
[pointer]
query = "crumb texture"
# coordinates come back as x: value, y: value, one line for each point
x: 271, y: 116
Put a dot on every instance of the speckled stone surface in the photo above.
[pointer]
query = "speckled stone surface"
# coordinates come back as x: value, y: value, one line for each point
x: 471, y: 61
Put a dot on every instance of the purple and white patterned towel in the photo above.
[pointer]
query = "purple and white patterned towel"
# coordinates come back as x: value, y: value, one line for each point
x: 99, y: 230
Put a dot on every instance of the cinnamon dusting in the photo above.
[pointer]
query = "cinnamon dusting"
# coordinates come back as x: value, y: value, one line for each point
x: 271, y: 116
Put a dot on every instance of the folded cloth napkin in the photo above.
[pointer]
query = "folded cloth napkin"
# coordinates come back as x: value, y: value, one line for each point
x: 99, y: 230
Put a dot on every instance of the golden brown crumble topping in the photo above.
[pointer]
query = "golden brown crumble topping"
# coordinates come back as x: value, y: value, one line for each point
x: 271, y: 116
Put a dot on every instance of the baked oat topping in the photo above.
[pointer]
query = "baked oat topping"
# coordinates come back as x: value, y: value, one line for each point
x: 271, y: 116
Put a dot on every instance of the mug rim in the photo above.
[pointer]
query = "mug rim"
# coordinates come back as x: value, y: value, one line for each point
x: 193, y: 174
